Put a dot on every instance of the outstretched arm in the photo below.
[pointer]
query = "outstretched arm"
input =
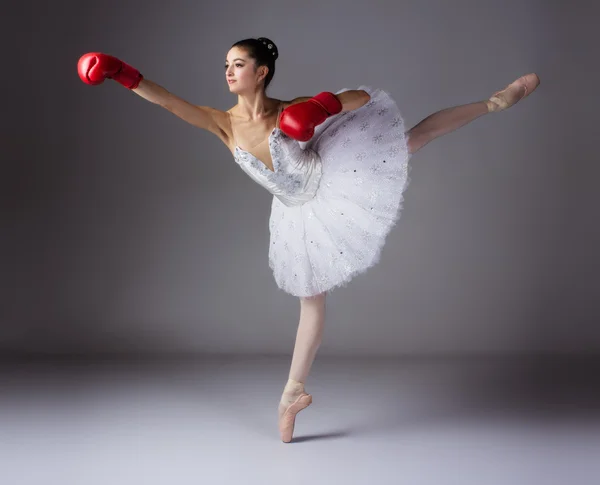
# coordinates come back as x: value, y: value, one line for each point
x: 204, y: 117
x: 95, y: 67
x: 350, y: 100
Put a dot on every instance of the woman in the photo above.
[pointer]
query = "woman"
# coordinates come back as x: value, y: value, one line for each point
x: 337, y: 165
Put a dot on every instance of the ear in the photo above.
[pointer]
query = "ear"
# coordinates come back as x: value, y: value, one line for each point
x: 262, y: 72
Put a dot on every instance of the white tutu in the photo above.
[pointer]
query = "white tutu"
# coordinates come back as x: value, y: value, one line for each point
x: 340, y: 232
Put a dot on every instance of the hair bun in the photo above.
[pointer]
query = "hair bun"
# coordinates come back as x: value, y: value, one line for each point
x: 270, y: 46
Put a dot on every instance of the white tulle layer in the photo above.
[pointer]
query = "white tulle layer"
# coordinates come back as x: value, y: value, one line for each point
x: 324, y: 243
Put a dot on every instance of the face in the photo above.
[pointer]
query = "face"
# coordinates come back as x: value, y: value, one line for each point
x: 240, y: 71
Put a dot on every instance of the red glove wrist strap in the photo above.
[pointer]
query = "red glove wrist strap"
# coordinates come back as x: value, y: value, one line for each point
x: 128, y: 76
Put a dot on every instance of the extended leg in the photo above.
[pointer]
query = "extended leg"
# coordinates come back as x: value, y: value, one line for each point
x: 442, y: 122
x: 450, y: 119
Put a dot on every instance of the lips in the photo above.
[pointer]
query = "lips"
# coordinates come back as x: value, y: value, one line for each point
x: 231, y: 81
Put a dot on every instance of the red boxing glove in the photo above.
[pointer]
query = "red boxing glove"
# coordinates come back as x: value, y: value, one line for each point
x: 95, y: 67
x: 298, y: 121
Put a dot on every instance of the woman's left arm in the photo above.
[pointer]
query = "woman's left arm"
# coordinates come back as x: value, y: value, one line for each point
x: 353, y: 99
x: 350, y: 100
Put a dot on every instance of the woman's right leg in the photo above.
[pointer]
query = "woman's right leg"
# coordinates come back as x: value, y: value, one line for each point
x: 443, y: 122
x: 450, y: 119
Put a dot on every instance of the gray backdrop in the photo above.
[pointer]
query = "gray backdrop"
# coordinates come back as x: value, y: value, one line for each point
x: 124, y: 229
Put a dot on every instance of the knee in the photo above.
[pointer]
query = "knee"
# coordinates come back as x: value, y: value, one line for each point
x: 314, y: 302
x: 314, y: 299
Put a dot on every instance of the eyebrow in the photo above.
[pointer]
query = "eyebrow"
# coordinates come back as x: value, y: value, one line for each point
x: 236, y: 59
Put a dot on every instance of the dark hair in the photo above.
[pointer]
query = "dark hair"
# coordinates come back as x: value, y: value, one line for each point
x: 263, y: 51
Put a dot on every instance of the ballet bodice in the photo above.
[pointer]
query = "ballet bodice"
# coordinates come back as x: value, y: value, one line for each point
x: 297, y: 171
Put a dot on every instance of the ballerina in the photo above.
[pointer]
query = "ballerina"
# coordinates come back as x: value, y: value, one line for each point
x: 337, y: 165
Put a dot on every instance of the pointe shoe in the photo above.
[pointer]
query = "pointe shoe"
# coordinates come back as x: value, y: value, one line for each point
x: 288, y: 418
x: 514, y: 92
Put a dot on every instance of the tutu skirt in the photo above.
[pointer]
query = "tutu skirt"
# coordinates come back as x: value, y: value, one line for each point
x: 324, y: 243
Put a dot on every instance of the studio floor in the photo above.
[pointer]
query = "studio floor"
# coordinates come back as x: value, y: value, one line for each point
x: 213, y: 420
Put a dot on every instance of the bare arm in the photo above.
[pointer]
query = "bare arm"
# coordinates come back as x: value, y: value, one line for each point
x: 353, y: 99
x: 350, y: 100
x: 203, y: 117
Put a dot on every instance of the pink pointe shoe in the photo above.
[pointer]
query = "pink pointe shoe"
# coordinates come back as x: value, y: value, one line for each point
x: 288, y: 418
x: 513, y: 93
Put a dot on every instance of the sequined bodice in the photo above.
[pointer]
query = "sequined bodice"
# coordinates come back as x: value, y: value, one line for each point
x: 297, y: 171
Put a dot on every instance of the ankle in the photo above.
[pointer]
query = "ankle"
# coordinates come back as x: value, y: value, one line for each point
x: 491, y: 106
x: 293, y: 386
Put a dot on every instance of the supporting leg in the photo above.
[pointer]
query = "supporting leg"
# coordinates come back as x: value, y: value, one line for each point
x: 308, y: 337
x: 308, y: 341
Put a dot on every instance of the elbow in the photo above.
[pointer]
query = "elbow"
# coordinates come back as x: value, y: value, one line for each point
x: 366, y: 97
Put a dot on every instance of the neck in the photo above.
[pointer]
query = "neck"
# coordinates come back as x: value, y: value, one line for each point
x: 255, y: 106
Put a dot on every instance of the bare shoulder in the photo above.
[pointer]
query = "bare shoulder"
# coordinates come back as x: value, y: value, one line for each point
x: 221, y: 123
x: 301, y: 99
